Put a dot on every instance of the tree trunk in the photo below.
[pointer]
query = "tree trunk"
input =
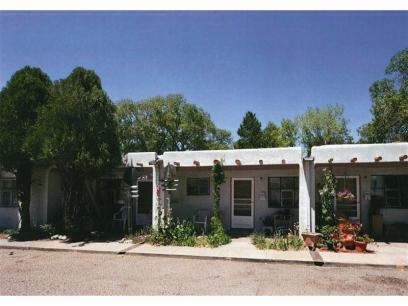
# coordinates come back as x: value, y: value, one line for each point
x: 23, y: 185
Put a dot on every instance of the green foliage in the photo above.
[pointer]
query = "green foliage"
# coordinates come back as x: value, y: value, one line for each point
x: 259, y: 240
x: 327, y: 194
x: 48, y: 229
x: 218, y: 236
x: 250, y: 133
x: 283, y: 136
x: 77, y: 132
x: 167, y: 123
x: 331, y: 236
x: 323, y: 126
x: 278, y: 242
x: 178, y: 232
x: 389, y: 104
x: 20, y: 100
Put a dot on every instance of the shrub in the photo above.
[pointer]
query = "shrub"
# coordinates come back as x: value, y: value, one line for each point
x: 218, y: 236
x: 183, y: 233
x: 259, y: 240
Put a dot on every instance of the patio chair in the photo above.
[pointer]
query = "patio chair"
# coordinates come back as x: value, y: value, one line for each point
x: 201, y: 218
x: 282, y: 224
x: 120, y: 217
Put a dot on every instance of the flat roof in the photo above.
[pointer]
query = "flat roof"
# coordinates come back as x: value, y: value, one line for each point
x: 360, y: 153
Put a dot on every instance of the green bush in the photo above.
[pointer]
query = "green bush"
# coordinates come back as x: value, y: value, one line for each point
x: 174, y: 233
x: 218, y: 236
x: 183, y: 233
x: 259, y: 240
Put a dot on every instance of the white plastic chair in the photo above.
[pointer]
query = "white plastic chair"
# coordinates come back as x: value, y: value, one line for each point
x: 201, y: 218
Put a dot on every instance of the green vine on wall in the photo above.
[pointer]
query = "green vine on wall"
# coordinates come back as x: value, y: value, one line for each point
x: 327, y: 195
x: 217, y: 235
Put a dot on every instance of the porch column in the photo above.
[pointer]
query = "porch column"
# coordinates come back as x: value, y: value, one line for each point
x: 156, y: 184
x: 306, y: 195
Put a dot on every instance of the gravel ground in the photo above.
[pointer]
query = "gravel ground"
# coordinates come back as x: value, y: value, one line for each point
x: 68, y: 273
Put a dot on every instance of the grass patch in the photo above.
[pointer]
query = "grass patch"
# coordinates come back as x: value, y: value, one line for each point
x: 277, y: 242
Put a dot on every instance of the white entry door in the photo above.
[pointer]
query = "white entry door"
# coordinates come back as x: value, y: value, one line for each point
x: 242, y: 215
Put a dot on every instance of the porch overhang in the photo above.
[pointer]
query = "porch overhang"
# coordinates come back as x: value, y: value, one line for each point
x: 236, y: 158
x: 139, y: 159
x: 361, y: 153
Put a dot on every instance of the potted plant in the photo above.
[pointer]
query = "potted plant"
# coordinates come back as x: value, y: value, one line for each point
x: 362, y: 242
x: 311, y: 239
x: 331, y: 236
x: 345, y: 195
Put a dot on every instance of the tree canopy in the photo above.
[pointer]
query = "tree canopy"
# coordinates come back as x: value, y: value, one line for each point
x: 20, y: 100
x: 167, y: 123
x: 389, y: 104
x: 250, y: 132
x: 77, y: 132
x: 322, y: 126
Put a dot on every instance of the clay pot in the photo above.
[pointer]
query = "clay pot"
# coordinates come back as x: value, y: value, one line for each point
x: 361, y: 246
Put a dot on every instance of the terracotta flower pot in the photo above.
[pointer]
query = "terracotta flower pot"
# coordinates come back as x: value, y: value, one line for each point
x: 311, y: 239
x: 361, y: 246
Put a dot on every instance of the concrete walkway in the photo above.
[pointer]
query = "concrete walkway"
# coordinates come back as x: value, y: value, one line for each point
x: 388, y: 255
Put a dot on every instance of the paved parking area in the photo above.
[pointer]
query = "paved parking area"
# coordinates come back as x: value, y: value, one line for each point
x: 31, y: 272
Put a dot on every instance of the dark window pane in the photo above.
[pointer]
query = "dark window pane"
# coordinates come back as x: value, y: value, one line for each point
x: 274, y: 198
x: 198, y: 186
x: 287, y: 183
x: 274, y: 183
x: 242, y: 189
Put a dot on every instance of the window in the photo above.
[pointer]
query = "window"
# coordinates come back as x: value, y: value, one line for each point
x: 197, y: 186
x: 389, y: 191
x: 283, y: 192
x: 8, y: 192
x: 349, y: 207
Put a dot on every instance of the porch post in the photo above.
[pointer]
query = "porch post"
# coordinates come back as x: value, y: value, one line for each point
x: 156, y: 184
x: 306, y: 195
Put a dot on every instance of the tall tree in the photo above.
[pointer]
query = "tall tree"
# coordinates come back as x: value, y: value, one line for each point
x: 283, y: 136
x: 250, y: 133
x: 322, y: 126
x: 78, y: 134
x: 390, y: 104
x: 20, y: 100
x: 167, y: 123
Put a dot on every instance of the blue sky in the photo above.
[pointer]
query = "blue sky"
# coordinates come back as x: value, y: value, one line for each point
x: 273, y: 63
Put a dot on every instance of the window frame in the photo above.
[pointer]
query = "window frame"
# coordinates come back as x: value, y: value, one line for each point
x: 385, y: 190
x: 284, y: 189
x: 357, y: 195
x: 11, y: 191
x: 197, y: 188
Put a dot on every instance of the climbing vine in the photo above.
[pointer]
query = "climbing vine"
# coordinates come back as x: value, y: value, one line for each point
x: 217, y: 235
x: 327, y: 195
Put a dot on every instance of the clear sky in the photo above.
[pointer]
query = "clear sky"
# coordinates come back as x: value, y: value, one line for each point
x: 274, y: 63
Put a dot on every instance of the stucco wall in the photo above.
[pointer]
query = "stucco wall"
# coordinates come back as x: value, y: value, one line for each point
x: 185, y: 206
x: 9, y: 217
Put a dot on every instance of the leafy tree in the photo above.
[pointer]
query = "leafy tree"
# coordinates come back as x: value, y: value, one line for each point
x: 25, y: 92
x: 288, y: 133
x: 78, y: 134
x: 167, y: 123
x: 250, y: 133
x: 283, y: 136
x: 323, y: 126
x: 390, y: 104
